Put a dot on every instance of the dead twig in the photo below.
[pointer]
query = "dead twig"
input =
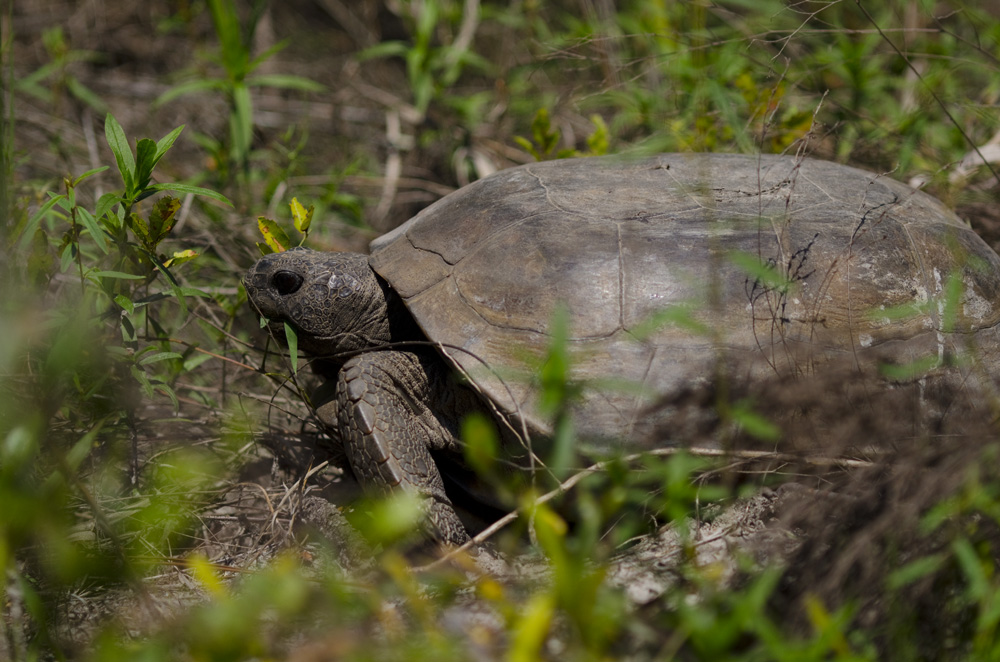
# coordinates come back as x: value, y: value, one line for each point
x: 573, y: 480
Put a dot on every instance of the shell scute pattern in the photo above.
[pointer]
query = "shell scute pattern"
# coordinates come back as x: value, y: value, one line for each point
x: 617, y: 241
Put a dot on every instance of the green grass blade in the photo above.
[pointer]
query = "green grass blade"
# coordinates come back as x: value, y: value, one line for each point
x: 190, y: 87
x: 293, y: 347
x: 287, y: 82
x: 241, y: 123
x: 86, y: 95
x: 115, y: 274
x: 266, y: 55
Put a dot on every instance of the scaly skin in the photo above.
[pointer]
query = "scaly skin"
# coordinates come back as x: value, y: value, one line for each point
x: 390, y: 408
x: 391, y: 413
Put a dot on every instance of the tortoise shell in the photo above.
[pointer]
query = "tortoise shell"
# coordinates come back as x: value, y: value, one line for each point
x: 666, y: 264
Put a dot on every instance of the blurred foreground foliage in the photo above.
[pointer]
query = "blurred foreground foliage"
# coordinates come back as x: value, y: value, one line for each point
x: 116, y: 338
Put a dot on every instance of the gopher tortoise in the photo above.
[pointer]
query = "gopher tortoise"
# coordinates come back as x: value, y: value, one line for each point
x: 661, y: 265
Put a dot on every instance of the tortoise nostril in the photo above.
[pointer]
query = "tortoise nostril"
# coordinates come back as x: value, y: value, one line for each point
x: 286, y: 282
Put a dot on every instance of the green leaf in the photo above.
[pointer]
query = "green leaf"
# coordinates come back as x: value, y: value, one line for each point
x: 423, y: 91
x: 481, y: 447
x: 33, y: 89
x: 194, y: 292
x: 901, y: 312
x: 118, y: 143
x: 29, y: 229
x: 125, y: 303
x: 301, y: 216
x: 204, y: 573
x: 680, y: 315
x: 40, y: 261
x: 190, y: 87
x: 551, y: 530
x: 598, y: 141
x: 66, y: 256
x: 755, y: 424
x: 915, y: 570
x: 180, y: 257
x: 89, y: 173
x: 564, y: 438
x: 30, y: 82
x: 530, y: 631
x: 104, y: 205
x: 764, y: 273
x: 85, y: 94
x: 187, y: 188
x: 908, y: 371
x: 541, y: 130
x: 152, y: 298
x: 161, y: 218
x: 81, y: 449
x: 392, y: 518
x: 160, y: 356
x: 555, y: 371
x: 128, y: 335
x: 95, y: 230
x: 115, y: 274
x: 145, y: 152
x: 171, y: 281
x: 227, y: 28
x: 174, y: 292
x: 286, y: 82
x: 241, y: 122
x: 166, y: 142
x: 273, y: 235
x: 140, y: 377
x: 385, y: 49
x: 166, y: 390
x: 265, y: 56
x: 528, y: 147
x: 972, y: 566
x: 427, y: 22
x: 140, y: 229
x: 196, y: 360
x: 954, y: 288
x: 70, y: 196
x: 293, y: 347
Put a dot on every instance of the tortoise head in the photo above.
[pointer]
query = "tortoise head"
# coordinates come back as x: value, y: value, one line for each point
x: 333, y: 300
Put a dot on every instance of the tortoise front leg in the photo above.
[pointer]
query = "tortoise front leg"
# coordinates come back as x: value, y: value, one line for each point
x: 389, y: 427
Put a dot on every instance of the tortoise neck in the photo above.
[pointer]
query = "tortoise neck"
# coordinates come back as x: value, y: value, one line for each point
x: 378, y: 324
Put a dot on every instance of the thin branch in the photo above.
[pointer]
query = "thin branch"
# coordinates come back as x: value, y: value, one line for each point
x: 936, y: 98
x: 573, y: 480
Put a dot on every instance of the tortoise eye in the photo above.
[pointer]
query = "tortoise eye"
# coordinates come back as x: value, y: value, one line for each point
x: 286, y: 282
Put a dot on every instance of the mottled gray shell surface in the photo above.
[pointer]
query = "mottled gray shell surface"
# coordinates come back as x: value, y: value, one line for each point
x: 666, y: 264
